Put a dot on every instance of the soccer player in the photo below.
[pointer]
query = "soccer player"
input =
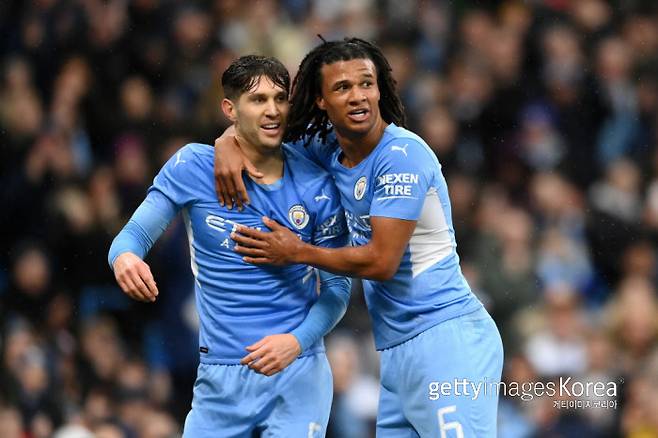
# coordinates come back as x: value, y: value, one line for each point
x: 262, y: 317
x: 430, y: 328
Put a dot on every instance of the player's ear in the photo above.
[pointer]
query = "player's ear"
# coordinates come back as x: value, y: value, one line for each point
x: 228, y: 107
x: 319, y: 101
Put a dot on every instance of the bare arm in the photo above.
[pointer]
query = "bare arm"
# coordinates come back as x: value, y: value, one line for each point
x: 378, y: 260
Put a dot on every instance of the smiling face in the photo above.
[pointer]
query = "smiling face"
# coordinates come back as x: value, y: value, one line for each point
x: 350, y: 96
x: 260, y: 115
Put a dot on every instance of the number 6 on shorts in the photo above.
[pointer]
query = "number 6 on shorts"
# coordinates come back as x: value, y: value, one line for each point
x: 451, y: 425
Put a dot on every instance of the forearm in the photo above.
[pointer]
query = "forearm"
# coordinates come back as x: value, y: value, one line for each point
x: 132, y: 238
x: 378, y: 260
x: 356, y: 261
x: 326, y: 311
x: 145, y: 226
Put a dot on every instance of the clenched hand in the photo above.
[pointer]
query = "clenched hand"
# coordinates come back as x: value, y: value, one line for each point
x: 272, y: 354
x: 135, y: 278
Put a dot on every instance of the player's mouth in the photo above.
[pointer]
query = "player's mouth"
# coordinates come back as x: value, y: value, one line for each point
x: 271, y: 129
x: 358, y: 115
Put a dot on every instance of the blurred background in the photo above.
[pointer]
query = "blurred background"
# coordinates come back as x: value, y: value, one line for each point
x: 543, y: 113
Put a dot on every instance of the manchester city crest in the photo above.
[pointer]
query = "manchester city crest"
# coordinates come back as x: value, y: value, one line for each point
x: 298, y: 216
x: 360, y: 188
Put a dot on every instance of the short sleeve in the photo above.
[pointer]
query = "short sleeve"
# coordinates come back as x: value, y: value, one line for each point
x: 330, y: 230
x: 176, y: 179
x: 403, y: 174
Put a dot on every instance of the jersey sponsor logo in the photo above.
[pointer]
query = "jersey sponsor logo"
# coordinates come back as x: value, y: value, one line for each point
x: 396, y: 185
x: 402, y: 149
x: 322, y: 196
x: 360, y: 188
x: 398, y: 178
x: 358, y: 226
x: 178, y: 159
x: 331, y: 226
x: 298, y: 216
x: 220, y: 224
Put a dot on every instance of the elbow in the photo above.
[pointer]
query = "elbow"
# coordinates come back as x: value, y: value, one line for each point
x: 381, y: 271
x: 383, y: 275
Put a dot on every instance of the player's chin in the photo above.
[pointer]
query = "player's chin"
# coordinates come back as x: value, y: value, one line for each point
x: 271, y: 142
x: 357, y: 127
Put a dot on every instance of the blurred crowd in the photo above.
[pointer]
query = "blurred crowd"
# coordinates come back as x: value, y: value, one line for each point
x: 543, y: 114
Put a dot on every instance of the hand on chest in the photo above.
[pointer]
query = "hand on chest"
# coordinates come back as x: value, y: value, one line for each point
x: 212, y: 224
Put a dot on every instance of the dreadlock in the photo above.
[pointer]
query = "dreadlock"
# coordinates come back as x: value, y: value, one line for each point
x: 306, y: 118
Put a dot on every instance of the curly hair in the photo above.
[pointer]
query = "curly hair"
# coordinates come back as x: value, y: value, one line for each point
x: 306, y: 118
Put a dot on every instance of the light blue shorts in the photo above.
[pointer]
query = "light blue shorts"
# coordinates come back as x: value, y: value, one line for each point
x: 429, y: 384
x: 232, y: 401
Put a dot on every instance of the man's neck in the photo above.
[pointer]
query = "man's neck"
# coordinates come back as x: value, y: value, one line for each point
x: 270, y: 164
x: 357, y: 148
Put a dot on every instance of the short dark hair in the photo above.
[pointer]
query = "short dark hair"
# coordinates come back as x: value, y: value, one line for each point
x: 306, y: 118
x: 243, y: 73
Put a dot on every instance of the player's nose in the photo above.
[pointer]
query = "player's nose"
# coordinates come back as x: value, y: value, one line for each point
x: 356, y: 95
x: 272, y: 109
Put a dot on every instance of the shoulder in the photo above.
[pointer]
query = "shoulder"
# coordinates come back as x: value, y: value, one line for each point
x: 305, y: 172
x: 314, y: 184
x: 198, y: 150
x: 187, y: 165
x: 317, y: 149
x: 402, y: 150
x: 192, y: 155
x: 402, y: 142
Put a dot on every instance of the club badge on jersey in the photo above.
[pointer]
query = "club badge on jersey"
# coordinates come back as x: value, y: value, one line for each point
x: 298, y: 216
x: 360, y: 188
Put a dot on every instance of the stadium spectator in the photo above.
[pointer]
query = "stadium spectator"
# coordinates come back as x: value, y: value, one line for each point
x: 546, y: 109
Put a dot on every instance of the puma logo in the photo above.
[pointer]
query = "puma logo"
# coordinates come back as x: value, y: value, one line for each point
x: 402, y: 149
x: 178, y: 159
x: 322, y: 196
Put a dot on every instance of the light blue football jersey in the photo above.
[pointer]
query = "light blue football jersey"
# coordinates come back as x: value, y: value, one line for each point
x: 239, y: 303
x: 402, y: 179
